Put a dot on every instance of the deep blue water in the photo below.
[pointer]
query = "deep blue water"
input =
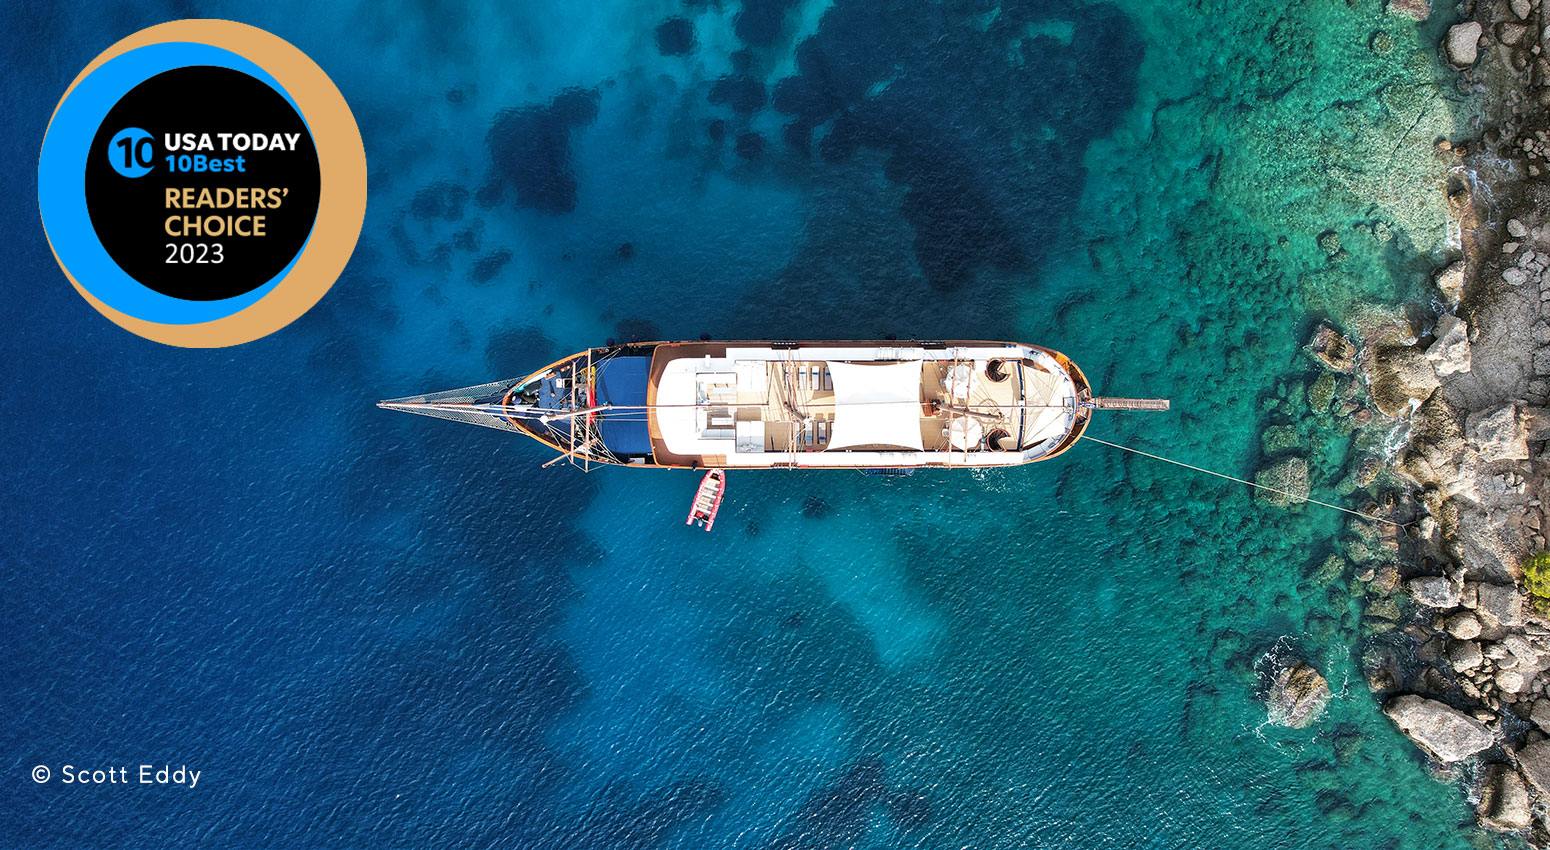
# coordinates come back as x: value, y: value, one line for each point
x: 370, y: 630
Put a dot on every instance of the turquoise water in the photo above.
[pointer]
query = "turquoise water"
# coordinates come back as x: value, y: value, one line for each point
x: 376, y: 630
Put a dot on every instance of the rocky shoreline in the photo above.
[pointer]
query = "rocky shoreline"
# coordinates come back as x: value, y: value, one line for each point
x: 1456, y: 647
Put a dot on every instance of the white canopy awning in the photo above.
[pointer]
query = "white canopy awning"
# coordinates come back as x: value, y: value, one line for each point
x: 876, y: 404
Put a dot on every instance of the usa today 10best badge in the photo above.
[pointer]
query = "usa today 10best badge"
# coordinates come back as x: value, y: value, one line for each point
x: 202, y: 183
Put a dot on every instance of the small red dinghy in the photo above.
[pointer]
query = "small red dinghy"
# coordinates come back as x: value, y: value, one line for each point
x: 707, y: 500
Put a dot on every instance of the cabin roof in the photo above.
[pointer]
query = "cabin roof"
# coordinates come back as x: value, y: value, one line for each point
x: 876, y: 404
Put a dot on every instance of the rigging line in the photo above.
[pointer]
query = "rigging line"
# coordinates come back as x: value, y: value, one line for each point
x: 1293, y: 496
x: 497, y: 409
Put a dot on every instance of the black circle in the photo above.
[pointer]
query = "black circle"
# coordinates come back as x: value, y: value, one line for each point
x: 131, y: 214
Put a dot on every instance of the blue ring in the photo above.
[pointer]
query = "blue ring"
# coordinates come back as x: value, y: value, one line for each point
x: 62, y: 184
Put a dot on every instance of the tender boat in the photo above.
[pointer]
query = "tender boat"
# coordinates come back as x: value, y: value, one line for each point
x: 791, y: 405
x: 707, y: 500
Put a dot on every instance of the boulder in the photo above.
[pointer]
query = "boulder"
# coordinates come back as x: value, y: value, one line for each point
x: 1540, y: 714
x: 1504, y: 803
x: 1298, y: 696
x: 1510, y: 33
x: 1499, y: 605
x: 1534, y: 764
x: 1498, y: 433
x: 1331, y: 348
x: 1289, y: 477
x: 1462, y: 44
x: 1417, y: 10
x: 1536, y: 423
x: 1386, y: 578
x: 1465, y: 656
x: 1434, y: 591
x: 1528, y: 656
x: 1401, y: 377
x: 1276, y: 439
x: 1437, y: 449
x: 1446, y: 733
x: 1521, y: 8
x: 1449, y: 352
x: 1510, y: 681
x: 1464, y: 625
x: 1450, y: 282
x: 1515, y: 228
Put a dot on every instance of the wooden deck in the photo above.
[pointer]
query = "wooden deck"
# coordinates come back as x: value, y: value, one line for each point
x: 795, y: 406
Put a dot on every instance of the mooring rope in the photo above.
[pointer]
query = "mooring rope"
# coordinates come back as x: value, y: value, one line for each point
x: 1290, y: 495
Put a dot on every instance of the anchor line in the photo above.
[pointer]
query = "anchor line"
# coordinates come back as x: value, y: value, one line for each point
x: 1290, y: 495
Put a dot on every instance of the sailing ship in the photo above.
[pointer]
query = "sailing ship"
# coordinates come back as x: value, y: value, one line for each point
x: 791, y: 405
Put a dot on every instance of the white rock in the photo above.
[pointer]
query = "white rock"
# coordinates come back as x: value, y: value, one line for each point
x: 1450, y: 281
x: 1522, y: 8
x: 1514, y: 277
x: 1463, y: 43
x: 1465, y: 655
x: 1534, y: 762
x: 1449, y: 354
x: 1524, y: 650
x: 1500, y: 605
x: 1434, y: 591
x: 1448, y: 734
x: 1464, y: 626
x: 1540, y: 714
x: 1504, y: 803
x: 1510, y: 681
x: 1515, y: 228
x: 1498, y: 433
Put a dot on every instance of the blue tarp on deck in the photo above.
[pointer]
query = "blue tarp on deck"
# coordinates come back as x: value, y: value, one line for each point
x: 622, y: 381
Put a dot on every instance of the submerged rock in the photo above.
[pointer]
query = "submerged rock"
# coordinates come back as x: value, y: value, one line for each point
x: 749, y: 145
x: 1321, y: 393
x: 1298, y: 696
x: 1289, y: 477
x: 1463, y: 43
x: 1446, y: 733
x: 1278, y: 438
x: 1418, y: 10
x: 675, y: 37
x: 1331, y: 348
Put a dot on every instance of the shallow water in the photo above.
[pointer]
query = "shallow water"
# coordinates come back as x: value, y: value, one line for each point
x: 377, y: 630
